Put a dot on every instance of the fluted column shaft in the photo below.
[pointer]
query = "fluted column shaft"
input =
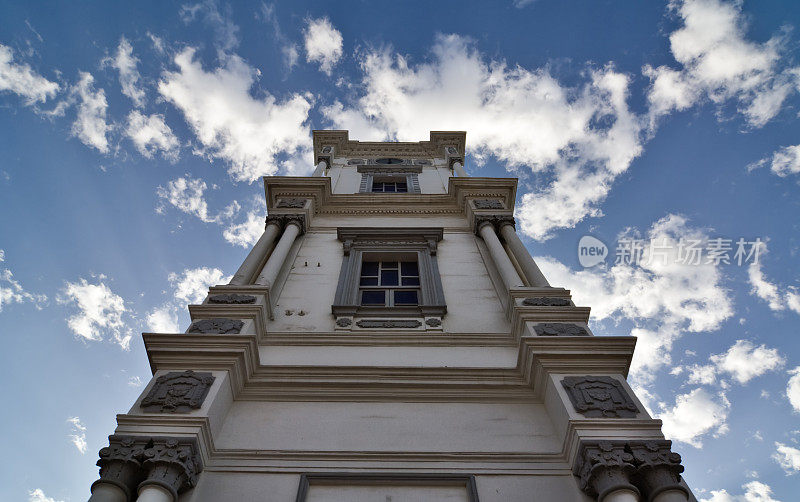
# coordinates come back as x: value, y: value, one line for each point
x: 501, y: 260
x: 529, y: 268
x: 459, y: 170
x: 320, y: 168
x: 279, y: 254
x: 256, y: 256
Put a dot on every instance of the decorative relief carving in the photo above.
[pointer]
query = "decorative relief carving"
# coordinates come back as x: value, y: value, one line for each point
x: 232, y: 298
x: 559, y: 329
x: 217, y: 325
x: 284, y: 219
x: 496, y: 220
x: 658, y: 467
x: 599, y: 397
x: 604, y: 467
x: 389, y: 324
x: 433, y: 322
x: 546, y: 301
x: 295, y: 203
x: 451, y: 150
x: 488, y: 204
x: 379, y: 171
x: 327, y: 149
x: 120, y: 463
x: 178, y: 392
x: 344, y: 322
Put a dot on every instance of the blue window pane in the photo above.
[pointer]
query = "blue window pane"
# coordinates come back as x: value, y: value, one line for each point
x: 388, y: 187
x: 369, y: 281
x: 389, y: 278
x: 409, y: 268
x: 405, y: 298
x: 410, y: 281
x: 377, y: 187
x: 402, y: 187
x: 369, y: 268
x: 389, y: 264
x: 375, y: 297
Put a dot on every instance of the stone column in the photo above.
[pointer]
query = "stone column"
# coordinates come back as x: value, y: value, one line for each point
x: 507, y: 271
x: 155, y: 493
x: 605, y: 469
x: 172, y: 466
x: 256, y: 256
x: 529, y: 268
x: 104, y: 492
x: 120, y: 465
x: 659, y: 471
x: 320, y: 168
x: 459, y: 170
x: 293, y: 227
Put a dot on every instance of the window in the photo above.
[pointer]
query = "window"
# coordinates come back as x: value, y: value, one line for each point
x: 389, y: 161
x: 376, y: 179
x: 390, y: 186
x: 389, y: 272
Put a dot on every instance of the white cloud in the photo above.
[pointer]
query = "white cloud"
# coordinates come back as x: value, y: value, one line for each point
x: 744, y: 361
x: 250, y: 135
x: 191, y: 285
x: 163, y: 319
x: 770, y: 292
x: 125, y: 63
x: 135, y: 381
x: 579, y: 138
x: 100, y: 312
x: 151, y: 134
x: 755, y: 491
x: 694, y: 415
x: 705, y: 374
x: 660, y: 296
x: 225, y: 31
x: 22, y: 80
x: 90, y: 125
x: 783, y: 162
x: 718, y: 61
x: 11, y: 291
x: 78, y: 435
x: 246, y: 234
x: 323, y: 44
x: 38, y: 495
x: 793, y: 389
x: 187, y: 195
x: 787, y: 457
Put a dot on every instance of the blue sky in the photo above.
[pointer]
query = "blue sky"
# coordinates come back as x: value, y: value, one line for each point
x: 134, y: 136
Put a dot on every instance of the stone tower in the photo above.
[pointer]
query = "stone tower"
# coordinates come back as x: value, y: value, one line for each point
x: 388, y: 338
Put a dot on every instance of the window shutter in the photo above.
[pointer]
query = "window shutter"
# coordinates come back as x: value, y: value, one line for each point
x: 364, y: 187
x: 413, y: 183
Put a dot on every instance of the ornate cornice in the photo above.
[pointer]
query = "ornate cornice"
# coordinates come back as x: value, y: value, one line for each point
x: 343, y: 146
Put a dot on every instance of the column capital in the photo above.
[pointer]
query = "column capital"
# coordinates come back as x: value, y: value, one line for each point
x: 284, y: 219
x: 171, y: 463
x: 604, y: 467
x: 658, y: 467
x: 120, y: 462
x: 326, y: 155
x: 452, y: 155
x: 496, y: 220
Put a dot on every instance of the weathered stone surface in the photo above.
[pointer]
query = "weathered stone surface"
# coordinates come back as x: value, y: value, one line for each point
x: 178, y: 392
x: 232, y: 298
x: 172, y: 464
x: 658, y: 467
x: 218, y: 325
x: 546, y: 301
x: 488, y: 204
x: 433, y: 322
x: 344, y: 322
x: 604, y: 467
x: 559, y: 329
x: 398, y: 323
x: 599, y: 397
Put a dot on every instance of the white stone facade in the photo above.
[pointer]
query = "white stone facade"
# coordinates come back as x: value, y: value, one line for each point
x: 500, y: 394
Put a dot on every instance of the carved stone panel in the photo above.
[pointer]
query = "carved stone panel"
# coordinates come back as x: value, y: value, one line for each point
x: 389, y: 324
x: 294, y: 203
x: 559, y: 329
x: 218, y: 325
x: 546, y: 301
x: 344, y: 322
x: 232, y: 298
x: 178, y: 392
x: 488, y: 204
x: 433, y: 322
x: 599, y: 397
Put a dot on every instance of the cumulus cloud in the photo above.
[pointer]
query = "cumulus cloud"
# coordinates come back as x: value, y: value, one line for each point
x: 323, y: 44
x: 660, y: 295
x: 38, y: 495
x: 250, y: 135
x: 151, y: 134
x: 770, y: 292
x: 99, y: 312
x: 783, y: 162
x: 755, y: 491
x: 793, y: 389
x: 11, y: 291
x: 78, y: 434
x: 191, y: 285
x: 187, y: 195
x: 718, y: 61
x: 163, y: 319
x: 578, y: 139
x: 246, y: 233
x: 695, y: 415
x: 22, y: 80
x: 125, y: 63
x: 90, y: 124
x: 788, y: 457
x: 743, y: 361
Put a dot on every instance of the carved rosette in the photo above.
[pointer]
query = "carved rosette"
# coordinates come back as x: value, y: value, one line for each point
x: 344, y: 322
x: 605, y: 467
x: 232, y: 298
x: 599, y: 397
x: 559, y: 329
x: 217, y: 325
x: 659, y: 468
x: 546, y: 301
x: 178, y: 391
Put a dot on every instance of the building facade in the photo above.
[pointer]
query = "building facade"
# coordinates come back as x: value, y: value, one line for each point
x: 388, y: 338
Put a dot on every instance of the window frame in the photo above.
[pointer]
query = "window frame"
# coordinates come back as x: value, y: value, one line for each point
x: 389, y: 244
x: 391, y: 173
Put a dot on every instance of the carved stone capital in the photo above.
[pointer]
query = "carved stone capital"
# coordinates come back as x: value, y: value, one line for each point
x: 658, y: 467
x: 178, y: 391
x: 604, y: 467
x: 120, y: 462
x: 599, y: 397
x: 559, y: 329
x: 284, y: 219
x: 171, y: 463
x: 218, y: 325
x: 496, y: 220
x: 232, y: 298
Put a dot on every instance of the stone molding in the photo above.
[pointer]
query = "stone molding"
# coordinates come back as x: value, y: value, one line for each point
x: 546, y: 301
x: 131, y: 462
x: 648, y: 467
x: 178, y: 392
x: 388, y: 323
x: 378, y: 170
x: 559, y: 329
x: 599, y: 397
x: 284, y: 219
x: 232, y: 298
x: 343, y: 146
x: 217, y: 325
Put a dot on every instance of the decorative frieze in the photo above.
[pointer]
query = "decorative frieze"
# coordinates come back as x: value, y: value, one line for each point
x: 599, y: 397
x: 217, y: 325
x: 178, y: 392
x: 546, y: 301
x: 559, y: 329
x: 488, y: 204
x: 232, y: 298
x: 295, y: 203
x: 388, y: 324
